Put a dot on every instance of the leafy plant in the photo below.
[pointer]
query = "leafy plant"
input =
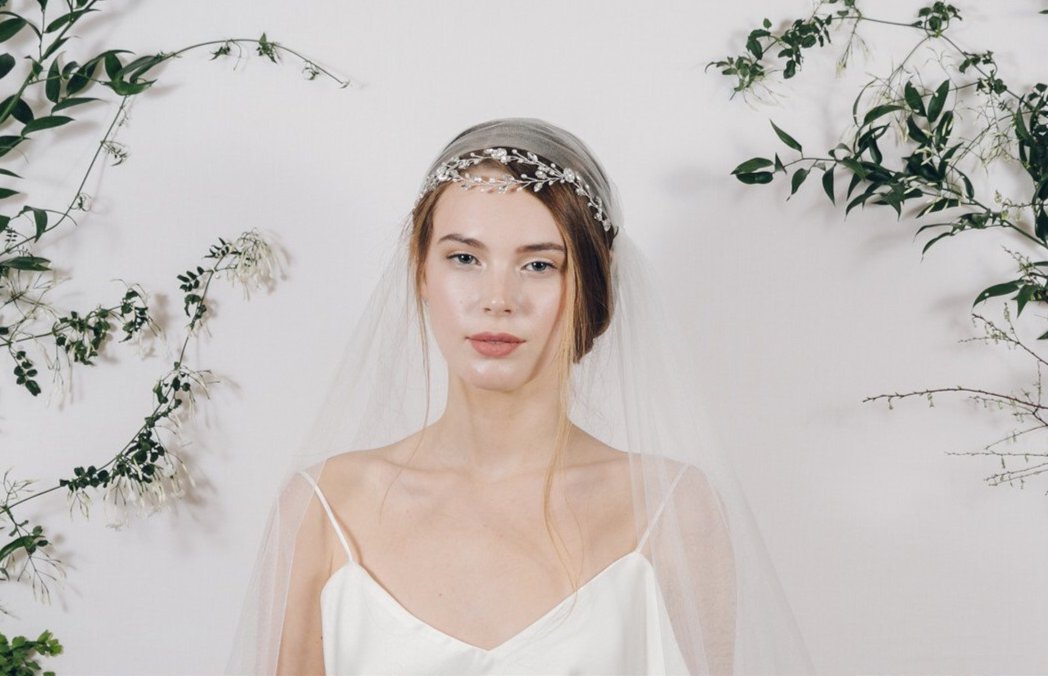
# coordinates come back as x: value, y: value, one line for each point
x: 43, y: 91
x: 938, y: 133
x: 17, y: 656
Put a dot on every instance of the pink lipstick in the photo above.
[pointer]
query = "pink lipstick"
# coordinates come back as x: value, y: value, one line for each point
x: 494, y: 344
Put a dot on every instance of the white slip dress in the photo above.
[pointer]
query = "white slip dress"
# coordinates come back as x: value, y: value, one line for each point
x: 616, y: 623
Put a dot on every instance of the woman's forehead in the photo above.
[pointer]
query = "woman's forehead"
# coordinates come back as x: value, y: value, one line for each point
x: 514, y: 218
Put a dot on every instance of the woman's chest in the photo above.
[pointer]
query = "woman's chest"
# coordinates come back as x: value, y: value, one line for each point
x: 614, y: 623
x: 478, y: 578
x: 485, y: 570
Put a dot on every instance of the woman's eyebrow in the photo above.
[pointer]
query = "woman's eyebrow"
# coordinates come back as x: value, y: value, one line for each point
x: 462, y: 239
x: 542, y: 246
x: 527, y: 248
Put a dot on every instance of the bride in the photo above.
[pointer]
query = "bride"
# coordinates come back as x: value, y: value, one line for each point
x: 563, y: 513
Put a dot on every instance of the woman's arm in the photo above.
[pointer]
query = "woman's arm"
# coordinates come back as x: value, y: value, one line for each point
x: 301, y: 645
x: 693, y: 554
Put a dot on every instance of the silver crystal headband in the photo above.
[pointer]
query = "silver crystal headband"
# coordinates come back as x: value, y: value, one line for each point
x: 455, y: 169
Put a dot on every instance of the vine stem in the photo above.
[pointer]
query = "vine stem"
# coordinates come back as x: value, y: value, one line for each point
x: 1018, y: 474
x: 1000, y: 454
x: 1033, y: 409
x: 87, y: 175
x: 256, y: 41
x: 123, y: 107
x: 1013, y: 340
x: 51, y: 333
x: 156, y: 409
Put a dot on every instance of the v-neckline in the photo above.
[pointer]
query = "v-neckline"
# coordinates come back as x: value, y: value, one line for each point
x: 398, y: 608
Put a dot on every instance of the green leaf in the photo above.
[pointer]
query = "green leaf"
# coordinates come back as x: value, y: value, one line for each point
x: 9, y: 143
x: 854, y: 166
x: 8, y: 172
x: 130, y: 89
x: 47, y: 122
x: 53, y: 87
x: 26, y: 263
x: 4, y: 220
x: 996, y: 290
x: 7, y: 192
x: 82, y: 77
x: 20, y: 110
x: 1024, y: 296
x: 827, y: 184
x: 880, y: 111
x: 853, y: 184
x: 938, y: 100
x: 70, y: 102
x: 40, y: 220
x: 7, y: 62
x: 1041, y: 225
x: 71, y: 17
x: 944, y: 128
x: 1041, y: 190
x: 913, y: 99
x: 933, y: 240
x: 139, y: 66
x: 1021, y: 131
x: 937, y: 205
x: 23, y: 542
x: 915, y: 132
x: 755, y: 177
x: 798, y: 178
x: 969, y: 189
x: 54, y: 47
x: 786, y: 138
x: 10, y: 28
x: 861, y: 199
x: 752, y: 165
x: 875, y: 151
x: 111, y: 60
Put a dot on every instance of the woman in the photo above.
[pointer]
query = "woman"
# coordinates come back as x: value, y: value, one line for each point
x: 502, y: 537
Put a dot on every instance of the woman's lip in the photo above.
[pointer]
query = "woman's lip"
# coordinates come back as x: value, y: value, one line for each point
x: 495, y: 338
x: 494, y: 348
x: 494, y: 344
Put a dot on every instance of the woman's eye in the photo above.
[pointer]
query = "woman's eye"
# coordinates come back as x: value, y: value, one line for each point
x: 540, y: 266
x: 463, y: 258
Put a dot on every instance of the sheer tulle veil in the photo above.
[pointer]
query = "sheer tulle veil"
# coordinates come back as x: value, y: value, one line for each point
x: 632, y: 391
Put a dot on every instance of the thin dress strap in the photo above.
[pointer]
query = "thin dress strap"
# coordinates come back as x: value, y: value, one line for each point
x: 331, y: 515
x: 662, y: 507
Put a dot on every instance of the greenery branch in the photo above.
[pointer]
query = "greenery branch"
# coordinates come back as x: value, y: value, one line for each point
x: 51, y: 88
x: 18, y: 655
x: 938, y: 134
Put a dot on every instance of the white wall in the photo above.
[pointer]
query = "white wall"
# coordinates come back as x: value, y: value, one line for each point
x: 894, y: 555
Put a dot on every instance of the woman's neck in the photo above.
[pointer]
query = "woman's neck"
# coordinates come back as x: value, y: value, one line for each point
x: 494, y: 435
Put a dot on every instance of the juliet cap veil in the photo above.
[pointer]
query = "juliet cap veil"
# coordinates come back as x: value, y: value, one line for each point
x: 634, y: 391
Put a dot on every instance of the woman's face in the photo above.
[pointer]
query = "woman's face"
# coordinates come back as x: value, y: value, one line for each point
x: 494, y: 283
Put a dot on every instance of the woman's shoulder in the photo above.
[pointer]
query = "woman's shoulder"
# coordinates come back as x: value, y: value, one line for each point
x: 361, y: 474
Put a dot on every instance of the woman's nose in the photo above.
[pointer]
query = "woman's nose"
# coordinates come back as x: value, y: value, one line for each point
x: 500, y: 294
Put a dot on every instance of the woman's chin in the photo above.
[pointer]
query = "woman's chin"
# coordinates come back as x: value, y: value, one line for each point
x: 503, y: 381
x: 497, y: 385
